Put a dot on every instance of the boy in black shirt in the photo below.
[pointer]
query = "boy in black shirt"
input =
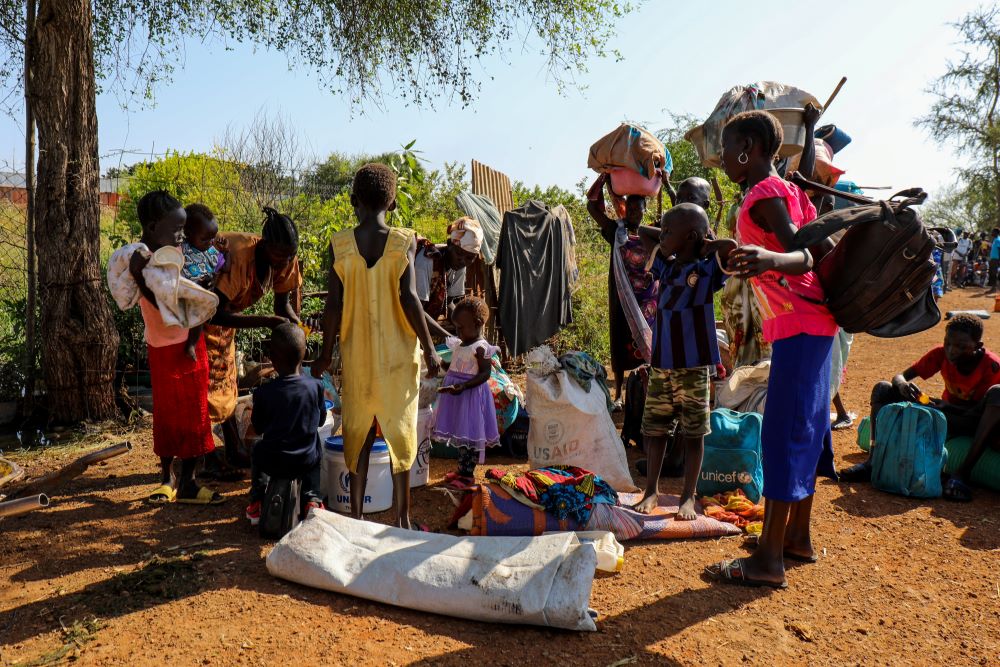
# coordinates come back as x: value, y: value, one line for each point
x: 287, y: 412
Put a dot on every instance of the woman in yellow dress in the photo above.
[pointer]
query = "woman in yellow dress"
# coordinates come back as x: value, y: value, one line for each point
x: 373, y: 306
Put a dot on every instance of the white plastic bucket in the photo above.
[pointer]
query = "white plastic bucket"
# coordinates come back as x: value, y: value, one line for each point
x: 332, y: 423
x: 335, y: 478
x: 421, y: 470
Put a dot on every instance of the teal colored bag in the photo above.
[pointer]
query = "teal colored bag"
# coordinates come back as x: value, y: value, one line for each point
x: 732, y: 455
x: 908, y: 454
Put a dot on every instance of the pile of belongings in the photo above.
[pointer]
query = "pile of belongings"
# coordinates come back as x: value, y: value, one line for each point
x: 707, y: 137
x: 633, y: 158
x: 734, y: 507
x: 568, y: 498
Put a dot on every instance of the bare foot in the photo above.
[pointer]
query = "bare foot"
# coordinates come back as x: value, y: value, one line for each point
x: 686, y: 511
x: 647, y: 504
x: 190, y: 351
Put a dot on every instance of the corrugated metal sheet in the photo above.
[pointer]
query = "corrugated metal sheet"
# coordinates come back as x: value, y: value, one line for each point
x: 489, y: 182
x: 494, y: 184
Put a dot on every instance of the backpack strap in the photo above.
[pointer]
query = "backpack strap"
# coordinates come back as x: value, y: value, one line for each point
x: 910, y: 196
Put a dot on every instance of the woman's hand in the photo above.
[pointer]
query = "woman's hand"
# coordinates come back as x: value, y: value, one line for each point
x: 810, y: 116
x: 433, y: 363
x: 749, y: 261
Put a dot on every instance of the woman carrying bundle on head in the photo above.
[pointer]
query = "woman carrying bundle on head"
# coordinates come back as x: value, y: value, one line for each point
x: 258, y: 264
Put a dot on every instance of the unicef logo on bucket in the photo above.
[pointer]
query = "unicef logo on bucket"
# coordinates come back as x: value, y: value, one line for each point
x: 345, y: 481
x: 423, y: 454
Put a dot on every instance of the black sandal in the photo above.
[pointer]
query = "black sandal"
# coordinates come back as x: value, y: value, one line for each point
x: 732, y: 572
x: 957, y: 490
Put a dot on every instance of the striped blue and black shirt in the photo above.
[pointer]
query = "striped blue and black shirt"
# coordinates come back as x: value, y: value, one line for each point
x: 684, y: 335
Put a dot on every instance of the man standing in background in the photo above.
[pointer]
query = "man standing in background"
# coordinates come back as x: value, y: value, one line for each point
x: 994, y: 260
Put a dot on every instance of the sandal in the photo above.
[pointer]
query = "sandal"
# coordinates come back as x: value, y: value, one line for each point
x: 843, y: 424
x: 162, y: 495
x: 753, y: 541
x: 205, y: 497
x: 732, y: 572
x: 957, y: 490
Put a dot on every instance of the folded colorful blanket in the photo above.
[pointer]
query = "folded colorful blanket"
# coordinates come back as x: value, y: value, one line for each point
x: 566, y: 492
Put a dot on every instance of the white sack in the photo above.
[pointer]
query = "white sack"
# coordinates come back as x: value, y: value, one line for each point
x: 526, y: 580
x: 570, y: 426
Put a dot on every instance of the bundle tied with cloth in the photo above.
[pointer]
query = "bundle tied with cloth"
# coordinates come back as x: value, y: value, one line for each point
x: 467, y: 234
x: 181, y: 302
x: 783, y: 101
x: 633, y: 158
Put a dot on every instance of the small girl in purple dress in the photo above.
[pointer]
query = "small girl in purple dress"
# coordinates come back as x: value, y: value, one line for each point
x: 465, y: 416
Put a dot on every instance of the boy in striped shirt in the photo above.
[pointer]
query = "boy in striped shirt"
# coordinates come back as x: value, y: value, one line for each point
x: 688, y: 264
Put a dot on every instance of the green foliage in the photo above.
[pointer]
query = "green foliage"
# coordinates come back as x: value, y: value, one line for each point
x: 191, y: 177
x: 414, y: 48
x: 966, y: 113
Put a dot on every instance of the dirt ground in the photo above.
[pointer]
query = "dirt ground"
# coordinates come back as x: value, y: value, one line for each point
x: 100, y: 577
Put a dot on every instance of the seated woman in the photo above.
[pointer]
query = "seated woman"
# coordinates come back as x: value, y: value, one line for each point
x: 440, y: 271
x: 970, y: 402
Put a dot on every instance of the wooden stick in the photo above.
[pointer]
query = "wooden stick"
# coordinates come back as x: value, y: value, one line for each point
x: 51, y: 482
x: 833, y: 95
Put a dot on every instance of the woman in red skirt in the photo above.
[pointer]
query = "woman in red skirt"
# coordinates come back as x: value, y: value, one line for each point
x: 181, y: 426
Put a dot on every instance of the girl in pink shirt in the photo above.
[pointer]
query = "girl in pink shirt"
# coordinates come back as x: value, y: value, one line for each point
x: 795, y: 437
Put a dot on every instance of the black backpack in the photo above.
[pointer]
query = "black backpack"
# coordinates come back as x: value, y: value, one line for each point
x: 877, y: 278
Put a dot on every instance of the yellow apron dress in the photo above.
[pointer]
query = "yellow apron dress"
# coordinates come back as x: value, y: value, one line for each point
x: 379, y: 348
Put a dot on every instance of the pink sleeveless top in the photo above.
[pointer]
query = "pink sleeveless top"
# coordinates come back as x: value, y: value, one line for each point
x: 784, y: 311
x: 159, y: 334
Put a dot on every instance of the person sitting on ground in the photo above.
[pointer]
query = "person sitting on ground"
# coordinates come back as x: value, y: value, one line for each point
x: 181, y: 425
x: 287, y: 413
x: 440, y: 271
x: 625, y: 354
x: 373, y: 306
x: 202, y: 260
x: 970, y: 402
x: 685, y: 347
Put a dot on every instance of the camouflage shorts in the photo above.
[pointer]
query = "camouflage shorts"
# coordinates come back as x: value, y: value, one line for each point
x: 678, y: 395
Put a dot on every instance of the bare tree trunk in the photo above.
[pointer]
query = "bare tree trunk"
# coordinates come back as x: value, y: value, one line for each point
x: 79, y: 341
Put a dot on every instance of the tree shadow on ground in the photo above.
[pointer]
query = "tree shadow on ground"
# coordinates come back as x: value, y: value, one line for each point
x: 978, y: 517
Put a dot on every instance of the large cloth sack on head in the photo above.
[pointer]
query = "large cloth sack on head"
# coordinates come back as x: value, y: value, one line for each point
x: 630, y: 147
x: 527, y: 580
x: 707, y: 137
x: 571, y: 426
x: 909, y: 455
x: 732, y: 458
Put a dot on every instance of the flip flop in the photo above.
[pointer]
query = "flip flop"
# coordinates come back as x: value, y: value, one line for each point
x: 753, y: 541
x: 842, y: 424
x: 731, y: 572
x: 205, y: 497
x: 957, y: 490
x: 162, y: 495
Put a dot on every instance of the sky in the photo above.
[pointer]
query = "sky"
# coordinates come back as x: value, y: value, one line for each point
x: 677, y: 57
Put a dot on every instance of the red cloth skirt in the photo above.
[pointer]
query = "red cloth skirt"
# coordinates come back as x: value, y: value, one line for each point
x: 181, y: 427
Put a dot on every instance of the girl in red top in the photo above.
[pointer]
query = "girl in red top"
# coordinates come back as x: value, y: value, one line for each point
x: 795, y: 438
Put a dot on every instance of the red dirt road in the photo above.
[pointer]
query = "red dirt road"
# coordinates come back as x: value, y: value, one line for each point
x: 899, y: 582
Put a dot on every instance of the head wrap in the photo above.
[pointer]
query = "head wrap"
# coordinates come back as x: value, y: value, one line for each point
x: 467, y: 234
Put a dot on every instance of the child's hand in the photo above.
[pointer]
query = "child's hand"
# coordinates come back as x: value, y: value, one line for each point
x: 750, y: 261
x: 140, y: 258
x: 810, y: 116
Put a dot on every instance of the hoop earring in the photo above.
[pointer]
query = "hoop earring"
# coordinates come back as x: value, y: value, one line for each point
x: 743, y: 158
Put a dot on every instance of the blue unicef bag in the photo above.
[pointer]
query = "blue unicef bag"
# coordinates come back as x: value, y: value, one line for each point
x: 732, y: 455
x: 909, y: 455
